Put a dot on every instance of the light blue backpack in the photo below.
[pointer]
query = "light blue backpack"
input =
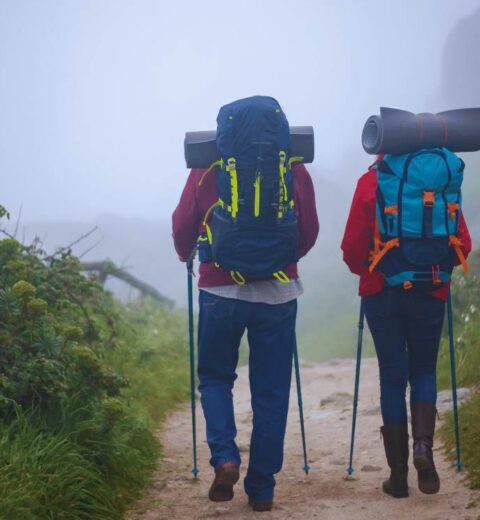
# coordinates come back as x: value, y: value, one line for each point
x: 418, y: 208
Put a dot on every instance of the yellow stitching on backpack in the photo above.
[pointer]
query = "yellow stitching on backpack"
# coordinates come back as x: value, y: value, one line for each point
x: 256, y: 185
x: 283, y: 194
x: 231, y: 168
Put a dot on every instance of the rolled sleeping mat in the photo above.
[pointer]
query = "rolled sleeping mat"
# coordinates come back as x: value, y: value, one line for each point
x: 398, y: 132
x: 201, y: 147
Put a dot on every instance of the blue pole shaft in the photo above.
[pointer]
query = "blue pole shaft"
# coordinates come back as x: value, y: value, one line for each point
x: 306, y: 467
x: 458, y: 462
x: 361, y: 322
x: 192, y: 367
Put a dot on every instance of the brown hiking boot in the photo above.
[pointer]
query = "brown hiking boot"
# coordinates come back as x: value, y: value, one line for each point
x: 226, y: 476
x: 260, y: 505
x: 395, y: 440
x: 423, y: 428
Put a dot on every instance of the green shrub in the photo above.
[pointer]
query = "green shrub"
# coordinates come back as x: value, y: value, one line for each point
x: 84, y: 381
x: 466, y: 307
x: 53, y: 330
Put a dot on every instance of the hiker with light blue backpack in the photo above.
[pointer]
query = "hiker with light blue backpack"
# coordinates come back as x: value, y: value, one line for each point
x: 404, y: 235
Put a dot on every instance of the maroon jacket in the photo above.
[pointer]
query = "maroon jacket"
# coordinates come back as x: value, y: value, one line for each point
x: 358, y: 237
x: 196, y: 200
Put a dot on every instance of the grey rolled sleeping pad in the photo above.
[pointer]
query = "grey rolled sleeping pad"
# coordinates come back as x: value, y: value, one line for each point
x: 201, y: 147
x: 398, y: 131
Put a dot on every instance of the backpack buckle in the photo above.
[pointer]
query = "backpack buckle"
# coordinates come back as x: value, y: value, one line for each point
x: 428, y: 199
x: 231, y: 164
x: 452, y: 209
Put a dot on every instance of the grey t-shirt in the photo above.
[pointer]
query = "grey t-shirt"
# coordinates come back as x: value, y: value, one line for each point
x: 272, y: 292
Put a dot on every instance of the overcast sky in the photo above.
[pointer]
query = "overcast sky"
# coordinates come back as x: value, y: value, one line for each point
x: 95, y: 95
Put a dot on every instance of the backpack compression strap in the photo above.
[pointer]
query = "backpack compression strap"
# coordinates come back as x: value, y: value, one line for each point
x: 205, y: 223
x: 209, y: 169
x: 232, y: 170
x: 294, y: 159
x: 283, y: 191
x: 380, y: 249
x: 456, y: 243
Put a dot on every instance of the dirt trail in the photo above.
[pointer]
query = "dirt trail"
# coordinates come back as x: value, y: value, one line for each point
x: 324, y: 493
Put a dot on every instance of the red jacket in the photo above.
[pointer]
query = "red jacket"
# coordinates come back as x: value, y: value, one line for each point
x: 358, y: 236
x: 196, y: 200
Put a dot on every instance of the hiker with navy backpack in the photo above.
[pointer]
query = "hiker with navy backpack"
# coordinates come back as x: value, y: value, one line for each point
x: 404, y: 235
x: 252, y: 216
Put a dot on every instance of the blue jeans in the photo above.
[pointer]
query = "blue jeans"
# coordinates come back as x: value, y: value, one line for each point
x: 271, y: 335
x: 406, y: 326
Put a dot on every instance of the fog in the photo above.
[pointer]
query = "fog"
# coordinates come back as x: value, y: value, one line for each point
x: 95, y: 98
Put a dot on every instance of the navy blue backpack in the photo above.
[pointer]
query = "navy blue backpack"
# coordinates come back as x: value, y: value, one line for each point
x: 253, y: 230
x: 418, y: 209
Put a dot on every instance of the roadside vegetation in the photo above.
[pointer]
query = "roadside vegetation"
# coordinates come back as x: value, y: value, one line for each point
x: 466, y: 310
x: 84, y: 382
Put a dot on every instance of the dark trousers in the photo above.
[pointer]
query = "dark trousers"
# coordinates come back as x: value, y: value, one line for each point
x: 406, y: 326
x: 271, y: 334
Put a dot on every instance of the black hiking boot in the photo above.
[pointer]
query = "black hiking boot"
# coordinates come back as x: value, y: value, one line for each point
x: 423, y: 428
x: 395, y: 440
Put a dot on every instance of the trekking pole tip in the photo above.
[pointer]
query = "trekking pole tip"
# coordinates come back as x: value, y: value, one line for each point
x: 350, y: 470
x: 306, y: 468
x: 459, y: 465
x: 195, y: 472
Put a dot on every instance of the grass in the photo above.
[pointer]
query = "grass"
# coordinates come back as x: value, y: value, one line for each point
x: 77, y: 471
x: 466, y: 304
x: 469, y: 421
x: 154, y: 356
x: 91, y: 462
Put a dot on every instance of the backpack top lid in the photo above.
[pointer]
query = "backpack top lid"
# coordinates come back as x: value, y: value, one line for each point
x: 246, y: 124
x: 431, y: 165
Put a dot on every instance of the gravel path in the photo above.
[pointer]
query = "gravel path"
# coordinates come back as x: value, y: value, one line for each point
x: 325, y: 493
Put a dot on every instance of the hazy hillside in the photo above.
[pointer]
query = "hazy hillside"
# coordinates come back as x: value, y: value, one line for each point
x: 461, y: 88
x: 142, y: 246
x: 461, y: 63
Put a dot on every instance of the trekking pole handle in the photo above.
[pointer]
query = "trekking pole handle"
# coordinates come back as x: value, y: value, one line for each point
x: 190, y: 259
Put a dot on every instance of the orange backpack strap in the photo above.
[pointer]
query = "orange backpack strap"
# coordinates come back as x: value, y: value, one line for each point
x: 380, y: 249
x: 456, y: 243
x: 385, y: 249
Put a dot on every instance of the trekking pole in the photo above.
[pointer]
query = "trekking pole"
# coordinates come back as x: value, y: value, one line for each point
x: 306, y: 467
x: 361, y: 321
x: 192, y: 359
x: 458, y: 462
